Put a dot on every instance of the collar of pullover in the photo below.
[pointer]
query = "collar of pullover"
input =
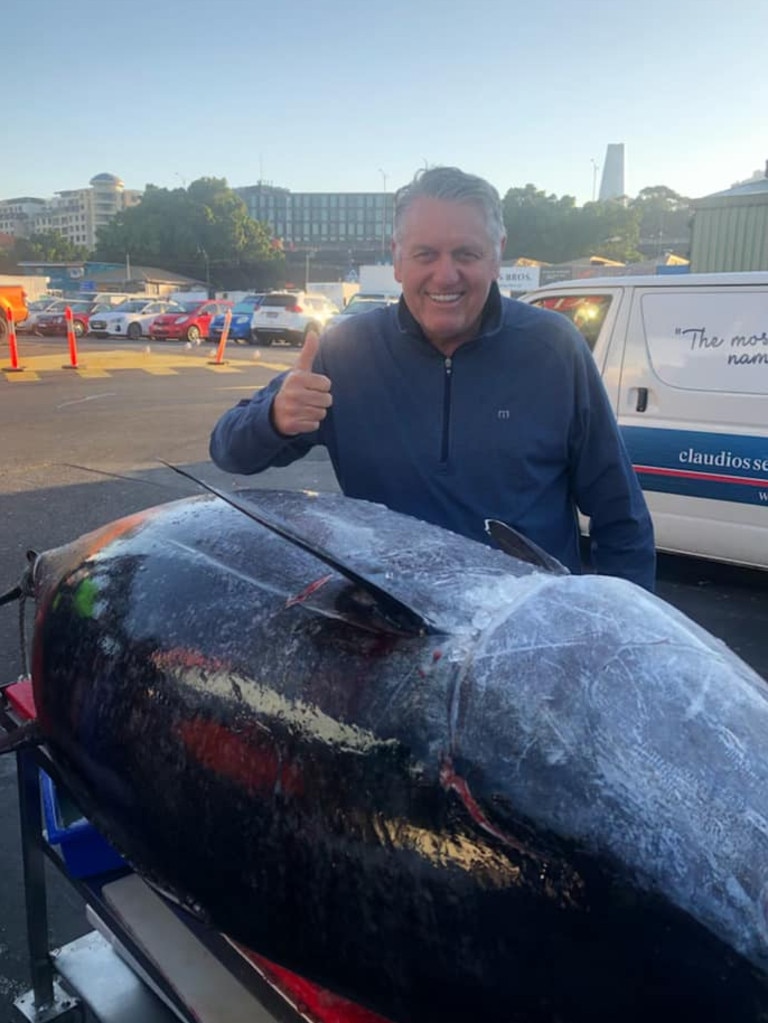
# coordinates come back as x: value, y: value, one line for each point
x: 490, y: 321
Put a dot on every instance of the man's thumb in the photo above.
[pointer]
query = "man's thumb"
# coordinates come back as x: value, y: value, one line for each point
x: 309, y: 351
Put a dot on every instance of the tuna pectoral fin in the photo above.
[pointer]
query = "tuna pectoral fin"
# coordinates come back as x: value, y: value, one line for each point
x: 402, y: 616
x: 520, y: 547
x: 23, y: 737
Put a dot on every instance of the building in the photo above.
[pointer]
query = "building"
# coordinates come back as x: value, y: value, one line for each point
x: 612, y: 181
x: 15, y: 214
x: 730, y: 228
x: 324, y: 222
x: 77, y: 214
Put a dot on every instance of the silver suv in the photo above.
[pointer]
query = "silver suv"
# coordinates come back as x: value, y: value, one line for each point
x: 289, y: 316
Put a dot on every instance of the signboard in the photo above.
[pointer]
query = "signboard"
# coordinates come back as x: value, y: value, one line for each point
x: 519, y: 279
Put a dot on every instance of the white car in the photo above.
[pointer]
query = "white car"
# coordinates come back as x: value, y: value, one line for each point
x: 362, y: 303
x: 289, y: 316
x: 35, y: 309
x: 132, y: 318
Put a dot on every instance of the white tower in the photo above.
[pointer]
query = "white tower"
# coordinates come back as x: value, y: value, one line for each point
x: 612, y: 181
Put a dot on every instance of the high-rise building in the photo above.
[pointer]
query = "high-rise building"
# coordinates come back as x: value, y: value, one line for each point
x: 77, y: 213
x: 323, y: 220
x: 612, y: 181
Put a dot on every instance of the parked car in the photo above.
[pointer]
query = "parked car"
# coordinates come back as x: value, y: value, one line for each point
x: 240, y: 327
x: 34, y: 309
x: 132, y: 318
x: 289, y: 316
x: 54, y: 321
x: 190, y: 325
x: 362, y: 303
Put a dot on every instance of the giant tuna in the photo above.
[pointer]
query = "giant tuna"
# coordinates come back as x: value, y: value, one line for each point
x: 449, y: 784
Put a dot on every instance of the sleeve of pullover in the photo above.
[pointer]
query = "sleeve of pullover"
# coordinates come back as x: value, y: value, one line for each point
x: 244, y: 441
x: 606, y: 487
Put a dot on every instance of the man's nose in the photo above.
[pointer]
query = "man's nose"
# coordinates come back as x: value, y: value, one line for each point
x: 445, y: 269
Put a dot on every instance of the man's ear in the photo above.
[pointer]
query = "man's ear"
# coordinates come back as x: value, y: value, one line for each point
x: 395, y: 261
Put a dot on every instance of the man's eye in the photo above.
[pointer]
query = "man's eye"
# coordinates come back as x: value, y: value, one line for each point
x: 467, y: 256
x: 424, y: 255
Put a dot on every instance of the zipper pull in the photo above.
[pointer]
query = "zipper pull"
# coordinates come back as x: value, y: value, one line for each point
x: 448, y: 364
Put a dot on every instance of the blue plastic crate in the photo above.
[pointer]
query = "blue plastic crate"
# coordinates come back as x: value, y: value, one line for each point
x: 84, y: 850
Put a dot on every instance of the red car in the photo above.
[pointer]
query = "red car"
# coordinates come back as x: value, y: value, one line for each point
x: 53, y: 320
x: 191, y: 325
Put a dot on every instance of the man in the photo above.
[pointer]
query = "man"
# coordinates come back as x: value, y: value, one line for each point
x: 457, y: 405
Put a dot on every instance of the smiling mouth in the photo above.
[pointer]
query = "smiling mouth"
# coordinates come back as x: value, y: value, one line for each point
x: 444, y: 299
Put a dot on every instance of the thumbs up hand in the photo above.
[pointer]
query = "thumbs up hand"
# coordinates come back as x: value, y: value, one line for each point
x: 302, y: 402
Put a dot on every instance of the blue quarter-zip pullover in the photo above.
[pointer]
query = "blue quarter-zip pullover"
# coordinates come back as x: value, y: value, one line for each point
x: 516, y: 425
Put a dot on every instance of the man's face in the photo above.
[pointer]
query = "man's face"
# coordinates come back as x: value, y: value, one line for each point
x: 446, y: 263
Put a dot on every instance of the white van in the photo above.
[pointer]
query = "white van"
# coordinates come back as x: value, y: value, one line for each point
x: 685, y: 361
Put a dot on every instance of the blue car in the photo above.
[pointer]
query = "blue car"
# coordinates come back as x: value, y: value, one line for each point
x: 240, y: 327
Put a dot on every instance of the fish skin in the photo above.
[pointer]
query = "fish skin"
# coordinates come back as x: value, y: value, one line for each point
x: 553, y: 808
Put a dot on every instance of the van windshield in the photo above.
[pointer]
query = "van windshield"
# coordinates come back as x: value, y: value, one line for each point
x: 587, y: 312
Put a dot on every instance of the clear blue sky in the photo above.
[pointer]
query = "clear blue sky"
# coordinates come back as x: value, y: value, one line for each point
x: 356, y: 95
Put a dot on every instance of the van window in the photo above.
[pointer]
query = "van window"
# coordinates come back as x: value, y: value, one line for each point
x: 716, y: 341
x: 587, y: 312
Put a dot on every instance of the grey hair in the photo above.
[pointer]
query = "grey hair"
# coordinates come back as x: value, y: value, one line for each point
x: 453, y: 185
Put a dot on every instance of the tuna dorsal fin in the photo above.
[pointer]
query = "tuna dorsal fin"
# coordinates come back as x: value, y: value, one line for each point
x: 396, y: 611
x: 520, y: 547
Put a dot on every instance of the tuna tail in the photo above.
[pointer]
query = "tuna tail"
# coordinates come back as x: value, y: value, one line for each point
x: 520, y: 547
x: 405, y: 618
x: 14, y: 594
x: 23, y: 737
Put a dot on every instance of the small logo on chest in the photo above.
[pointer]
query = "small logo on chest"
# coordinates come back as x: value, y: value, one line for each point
x: 503, y: 413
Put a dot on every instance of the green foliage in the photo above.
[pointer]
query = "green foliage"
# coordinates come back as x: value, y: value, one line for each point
x: 203, y: 231
x: 47, y: 247
x: 556, y: 230
x: 665, y: 220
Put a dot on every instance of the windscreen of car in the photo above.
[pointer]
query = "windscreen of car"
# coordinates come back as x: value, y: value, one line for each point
x: 281, y: 301
x: 130, y: 307
x: 246, y: 305
x: 363, y: 306
x: 80, y: 307
x: 191, y: 307
x: 587, y: 312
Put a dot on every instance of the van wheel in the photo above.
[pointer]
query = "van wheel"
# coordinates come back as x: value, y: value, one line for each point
x: 134, y: 331
x: 193, y: 332
x: 78, y: 328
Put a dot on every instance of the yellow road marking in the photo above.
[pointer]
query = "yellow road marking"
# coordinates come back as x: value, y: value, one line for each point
x: 98, y: 365
x: 221, y: 368
x: 24, y: 377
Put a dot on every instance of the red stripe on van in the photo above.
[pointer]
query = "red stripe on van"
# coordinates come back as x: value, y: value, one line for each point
x: 655, y: 470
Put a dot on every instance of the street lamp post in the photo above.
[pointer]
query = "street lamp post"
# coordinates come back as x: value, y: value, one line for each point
x: 594, y: 179
x: 204, y: 254
x: 384, y: 218
x: 307, y: 257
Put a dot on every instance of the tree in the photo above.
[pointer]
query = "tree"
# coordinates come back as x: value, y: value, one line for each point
x: 556, y: 230
x: 203, y: 231
x: 665, y: 219
x: 47, y: 247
